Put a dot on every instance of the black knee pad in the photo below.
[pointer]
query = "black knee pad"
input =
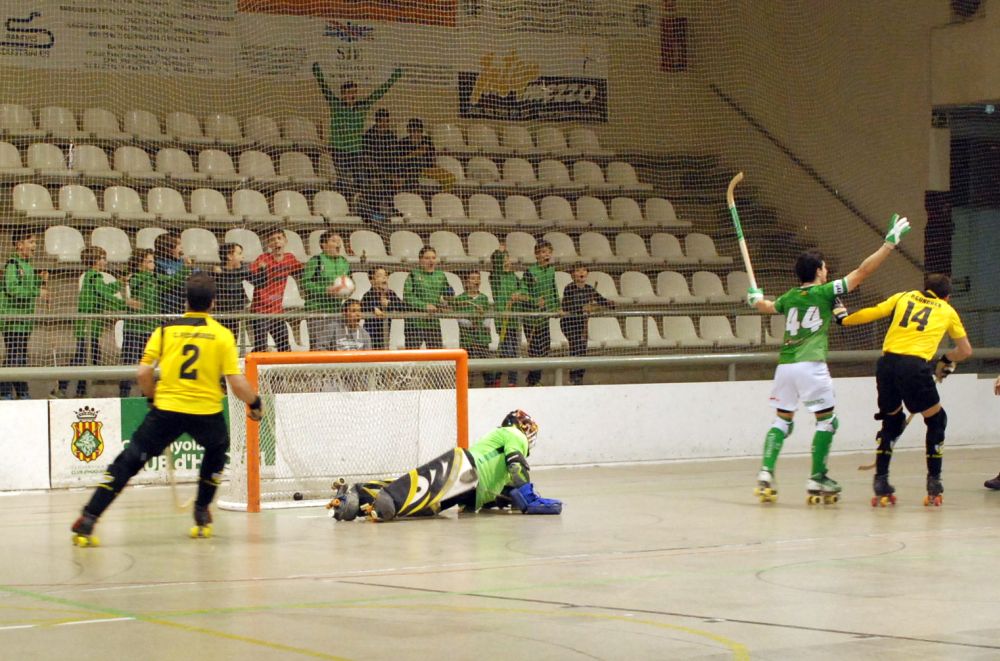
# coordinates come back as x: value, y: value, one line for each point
x: 936, y: 425
x: 125, y: 465
x: 893, y: 425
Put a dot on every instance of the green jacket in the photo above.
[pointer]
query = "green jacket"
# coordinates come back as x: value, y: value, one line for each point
x: 540, y: 283
x: 474, y: 333
x: 422, y: 289
x: 144, y: 287
x: 18, y: 293
x: 96, y: 296
x: 319, y: 273
x: 347, y: 123
x: 504, y: 285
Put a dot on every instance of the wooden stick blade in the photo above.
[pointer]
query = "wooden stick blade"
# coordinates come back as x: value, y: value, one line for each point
x: 730, y: 199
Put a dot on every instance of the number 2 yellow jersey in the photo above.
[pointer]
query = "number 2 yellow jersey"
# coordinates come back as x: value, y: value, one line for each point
x: 919, y: 321
x: 193, y: 353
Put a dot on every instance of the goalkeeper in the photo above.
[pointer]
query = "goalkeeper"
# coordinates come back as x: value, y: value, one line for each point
x: 905, y: 375
x: 492, y: 473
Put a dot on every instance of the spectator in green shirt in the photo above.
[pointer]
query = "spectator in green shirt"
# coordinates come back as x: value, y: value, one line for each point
x: 21, y: 288
x: 143, y: 287
x: 425, y: 289
x: 540, y: 283
x: 508, y: 296
x: 318, y: 285
x: 473, y: 334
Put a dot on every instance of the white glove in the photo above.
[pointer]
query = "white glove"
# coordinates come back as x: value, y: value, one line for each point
x: 754, y: 295
x: 897, y: 228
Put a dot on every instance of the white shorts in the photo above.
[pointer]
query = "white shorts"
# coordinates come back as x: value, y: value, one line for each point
x: 809, y: 383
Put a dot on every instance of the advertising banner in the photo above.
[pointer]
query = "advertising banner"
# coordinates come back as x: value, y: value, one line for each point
x: 24, y: 445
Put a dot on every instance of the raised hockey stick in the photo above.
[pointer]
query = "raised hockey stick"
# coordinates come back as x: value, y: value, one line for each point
x: 739, y: 228
x: 868, y: 467
x: 172, y: 477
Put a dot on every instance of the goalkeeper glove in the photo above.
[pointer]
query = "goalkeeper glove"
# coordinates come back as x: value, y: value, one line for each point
x: 943, y: 368
x: 255, y: 410
x: 754, y: 295
x: 839, y: 311
x: 526, y: 500
x: 897, y: 228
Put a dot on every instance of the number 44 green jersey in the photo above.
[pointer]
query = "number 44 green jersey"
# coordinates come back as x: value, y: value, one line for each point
x: 808, y: 312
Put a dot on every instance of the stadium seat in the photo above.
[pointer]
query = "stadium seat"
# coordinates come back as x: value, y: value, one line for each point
x: 484, y: 287
x: 251, y: 205
x: 144, y: 126
x: 92, y: 162
x: 666, y: 248
x: 210, y: 205
x: 146, y: 237
x: 557, y: 339
x: 298, y: 335
x: 79, y: 202
x: 551, y: 140
x: 332, y: 206
x: 622, y: 175
x: 293, y: 207
x: 660, y: 212
x: 449, y: 333
x: 412, y: 210
x: 482, y: 245
x: 606, y: 333
x: 368, y: 244
x: 64, y: 243
x: 48, y: 161
x: 102, y: 123
x: 557, y: 211
x: 114, y: 241
x: 262, y: 130
x: 10, y: 161
x: 258, y: 166
x: 563, y: 248
x: 125, y: 204
x: 636, y: 286
x: 59, y: 122
x: 299, y: 131
x: 455, y: 282
x: 626, y: 212
x: 518, y: 173
x: 134, y: 163
x: 521, y: 210
x: 177, y: 165
x: 591, y: 176
x: 397, y: 281
x: 223, y: 129
x: 448, y: 208
x: 595, y: 247
x: 672, y: 285
x: 294, y: 245
x: 748, y: 327
x: 654, y: 339
x: 485, y: 209
x: 397, y: 338
x: 361, y: 284
x: 701, y: 247
x: 34, y: 201
x: 555, y: 174
x: 17, y: 120
x: 405, y: 245
x: 483, y: 138
x: 325, y: 167
x: 680, y: 329
x: 292, y: 298
x: 717, y: 330
x: 774, y: 331
x: 708, y: 285
x: 185, y: 127
x: 218, y: 166
x: 252, y: 248
x: 592, y: 212
x: 450, y: 250
x: 585, y: 142
x: 298, y: 168
x: 483, y: 171
x: 454, y: 166
x: 605, y: 286
x: 521, y: 247
x: 632, y: 248
x: 518, y: 140
x: 737, y: 283
x: 168, y: 204
x: 448, y: 138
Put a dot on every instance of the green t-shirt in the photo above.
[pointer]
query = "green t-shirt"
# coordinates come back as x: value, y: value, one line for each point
x: 347, y: 122
x: 19, y: 291
x: 490, y: 455
x: 808, y: 311
x: 96, y: 296
x: 319, y: 273
x: 144, y: 287
x: 540, y: 283
x: 474, y: 333
x: 422, y: 289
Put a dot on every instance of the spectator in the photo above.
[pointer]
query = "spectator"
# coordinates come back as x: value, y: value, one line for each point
x: 318, y: 286
x: 416, y: 159
x: 143, y: 287
x: 347, y: 334
x: 268, y: 298
x: 473, y: 335
x: 380, y: 301
x: 230, y: 294
x: 173, y: 270
x: 347, y: 123
x: 508, y: 295
x: 380, y: 149
x: 578, y: 301
x: 21, y: 289
x: 426, y: 290
x: 540, y: 284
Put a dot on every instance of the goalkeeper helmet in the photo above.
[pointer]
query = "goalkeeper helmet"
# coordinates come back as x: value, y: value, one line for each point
x: 525, y: 423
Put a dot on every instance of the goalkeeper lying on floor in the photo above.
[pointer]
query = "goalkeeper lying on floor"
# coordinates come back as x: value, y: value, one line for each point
x: 492, y: 473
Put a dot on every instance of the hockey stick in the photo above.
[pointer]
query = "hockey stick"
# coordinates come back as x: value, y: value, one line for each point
x: 739, y: 229
x: 868, y: 467
x: 178, y: 505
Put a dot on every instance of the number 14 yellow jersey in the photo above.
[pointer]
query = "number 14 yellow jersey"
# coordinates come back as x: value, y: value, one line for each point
x: 919, y: 321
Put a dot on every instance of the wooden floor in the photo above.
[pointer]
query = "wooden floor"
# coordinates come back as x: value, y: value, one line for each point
x: 669, y: 561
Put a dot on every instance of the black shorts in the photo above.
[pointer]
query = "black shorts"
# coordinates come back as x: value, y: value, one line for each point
x: 161, y: 428
x: 905, y: 380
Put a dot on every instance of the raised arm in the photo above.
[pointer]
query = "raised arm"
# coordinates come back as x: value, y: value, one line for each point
x: 380, y: 91
x: 897, y: 228
x: 328, y: 94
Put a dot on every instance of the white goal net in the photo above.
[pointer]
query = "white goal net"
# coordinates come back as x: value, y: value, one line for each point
x: 351, y: 415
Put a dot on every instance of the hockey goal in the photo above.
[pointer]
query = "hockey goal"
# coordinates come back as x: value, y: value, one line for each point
x: 358, y: 415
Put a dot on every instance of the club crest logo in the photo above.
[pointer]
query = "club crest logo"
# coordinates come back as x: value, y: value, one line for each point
x: 87, y: 444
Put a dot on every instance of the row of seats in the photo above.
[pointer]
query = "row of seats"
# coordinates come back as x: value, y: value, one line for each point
x: 519, y: 173
x: 517, y: 139
x: 65, y: 243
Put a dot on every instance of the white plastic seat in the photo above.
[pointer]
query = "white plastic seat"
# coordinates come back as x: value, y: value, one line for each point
x: 681, y: 330
x: 134, y: 163
x: 258, y: 166
x: 218, y: 166
x: 717, y: 330
x: 143, y: 125
x: 10, y: 160
x: 60, y: 122
x: 177, y: 165
x: 210, y: 205
x: 482, y: 245
x: 298, y: 168
x: 551, y: 140
x: 412, y: 210
x: 748, y: 327
x: 145, y: 238
x: 292, y: 206
x: 636, y: 286
x: 632, y: 248
x: 483, y: 138
x: 102, y: 123
x: 397, y: 337
x: 17, y: 120
x: 450, y: 249
x: 626, y: 212
x: 124, y: 203
x: 591, y: 211
x: 709, y: 286
x: 605, y: 286
x: 361, y: 284
x: 484, y: 171
x: 369, y: 244
x: 521, y: 210
x: 666, y: 248
x: 555, y: 174
x: 654, y: 338
x: 591, y: 176
x: 299, y: 130
x: 448, y: 138
x: 519, y: 173
x: 80, y: 202
x: 556, y: 210
x: 606, y: 333
x: 585, y: 142
x: 774, y: 331
x: 563, y: 249
x: 485, y: 209
x: 332, y: 206
x: 64, y: 243
x: 298, y: 331
x: 294, y: 245
x: 563, y: 280
x: 92, y: 161
x: 449, y: 333
x: 168, y: 204
x: 518, y: 140
x: 455, y: 282
x: 325, y: 167
x: 557, y: 339
x: 200, y: 245
x: 251, y: 205
x: 595, y: 247
x: 262, y: 130
x: 448, y: 208
x: 454, y: 166
x: 48, y: 160
x: 660, y: 212
x: 701, y: 247
x: 622, y: 175
x: 397, y: 282
x: 737, y: 283
x: 185, y: 127
x: 34, y: 201
x: 248, y: 239
x: 673, y: 285
x: 521, y: 247
x: 405, y: 245
x: 114, y: 241
x: 223, y: 129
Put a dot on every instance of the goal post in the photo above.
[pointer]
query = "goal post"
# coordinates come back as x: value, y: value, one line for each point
x: 357, y: 415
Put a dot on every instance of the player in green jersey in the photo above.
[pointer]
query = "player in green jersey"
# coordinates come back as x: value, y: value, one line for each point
x: 802, y: 374
x: 493, y: 472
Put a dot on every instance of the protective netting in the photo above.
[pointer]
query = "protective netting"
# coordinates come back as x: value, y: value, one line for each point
x: 357, y: 421
x: 608, y: 129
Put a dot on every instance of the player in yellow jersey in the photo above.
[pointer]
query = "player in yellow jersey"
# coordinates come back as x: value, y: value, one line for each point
x: 193, y: 353
x: 905, y: 375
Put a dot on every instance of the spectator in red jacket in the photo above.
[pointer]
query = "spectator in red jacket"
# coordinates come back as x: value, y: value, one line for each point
x: 268, y: 298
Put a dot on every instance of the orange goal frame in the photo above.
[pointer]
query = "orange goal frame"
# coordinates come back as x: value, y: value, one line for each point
x: 254, y: 360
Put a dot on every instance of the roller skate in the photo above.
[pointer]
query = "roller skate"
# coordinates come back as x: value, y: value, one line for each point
x: 993, y: 483
x: 885, y: 493
x: 934, y: 491
x: 821, y: 489
x: 345, y: 504
x: 766, y: 489
x: 202, y: 527
x: 383, y: 509
x: 83, y: 531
